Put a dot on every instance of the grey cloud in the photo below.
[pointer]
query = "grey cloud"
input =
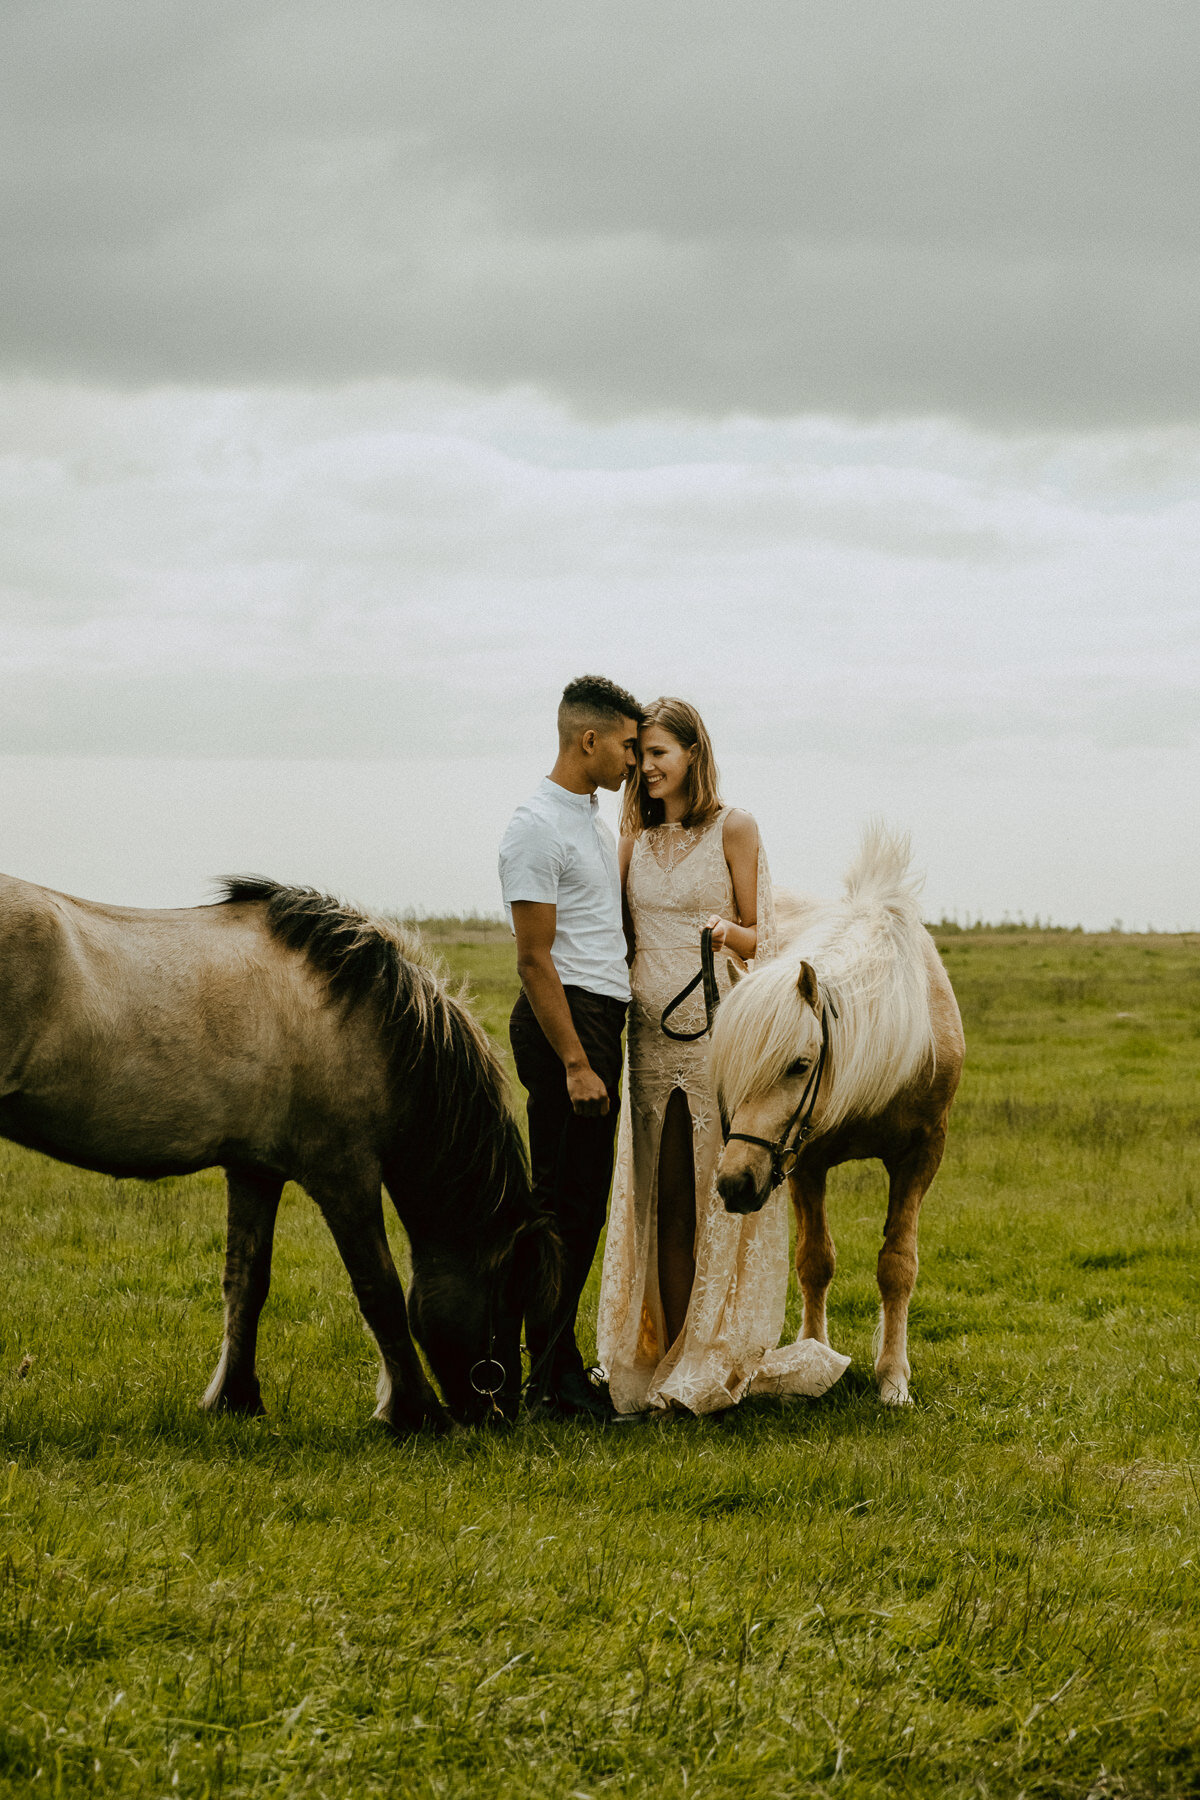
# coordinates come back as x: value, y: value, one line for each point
x: 778, y: 208
x: 352, y: 717
x: 246, y: 715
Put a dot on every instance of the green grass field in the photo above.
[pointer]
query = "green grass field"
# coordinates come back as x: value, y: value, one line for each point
x: 994, y: 1592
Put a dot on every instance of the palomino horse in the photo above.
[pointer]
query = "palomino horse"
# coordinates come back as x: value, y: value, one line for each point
x: 849, y: 1045
x: 285, y: 1036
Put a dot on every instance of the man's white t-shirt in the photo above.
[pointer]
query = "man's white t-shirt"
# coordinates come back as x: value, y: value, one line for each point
x: 558, y: 851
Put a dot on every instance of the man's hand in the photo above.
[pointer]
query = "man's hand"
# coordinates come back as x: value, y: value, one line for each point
x: 588, y: 1094
x: 534, y: 923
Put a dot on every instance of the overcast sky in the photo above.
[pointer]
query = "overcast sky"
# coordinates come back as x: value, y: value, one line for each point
x: 367, y: 370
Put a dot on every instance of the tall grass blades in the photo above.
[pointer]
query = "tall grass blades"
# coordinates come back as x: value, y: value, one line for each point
x: 992, y: 1593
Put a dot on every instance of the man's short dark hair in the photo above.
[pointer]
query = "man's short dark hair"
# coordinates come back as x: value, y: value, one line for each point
x: 593, y: 702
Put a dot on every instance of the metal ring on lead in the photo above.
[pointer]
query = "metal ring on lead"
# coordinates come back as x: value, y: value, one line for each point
x: 488, y: 1362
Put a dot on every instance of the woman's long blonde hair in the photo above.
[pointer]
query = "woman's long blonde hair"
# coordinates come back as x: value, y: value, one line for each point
x: 685, y: 725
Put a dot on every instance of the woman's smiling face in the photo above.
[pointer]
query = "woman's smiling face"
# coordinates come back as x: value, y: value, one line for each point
x: 664, y: 764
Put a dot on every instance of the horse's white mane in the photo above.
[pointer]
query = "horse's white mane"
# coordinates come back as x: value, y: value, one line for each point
x: 868, y: 951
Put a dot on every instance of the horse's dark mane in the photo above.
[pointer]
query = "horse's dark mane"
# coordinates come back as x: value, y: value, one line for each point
x: 440, y: 1056
x: 363, y: 958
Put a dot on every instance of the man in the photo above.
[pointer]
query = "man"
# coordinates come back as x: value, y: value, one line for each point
x: 562, y: 892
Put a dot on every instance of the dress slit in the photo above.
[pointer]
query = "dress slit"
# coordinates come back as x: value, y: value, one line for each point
x: 675, y: 1247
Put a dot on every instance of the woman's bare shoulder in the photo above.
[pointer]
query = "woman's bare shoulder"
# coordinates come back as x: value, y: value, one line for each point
x: 740, y: 830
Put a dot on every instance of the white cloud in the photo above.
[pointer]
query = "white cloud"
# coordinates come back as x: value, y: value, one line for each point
x: 921, y: 581
x: 992, y: 639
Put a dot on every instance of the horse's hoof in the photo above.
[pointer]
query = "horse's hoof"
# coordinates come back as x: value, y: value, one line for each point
x: 249, y: 1407
x: 894, y: 1393
x: 438, y: 1423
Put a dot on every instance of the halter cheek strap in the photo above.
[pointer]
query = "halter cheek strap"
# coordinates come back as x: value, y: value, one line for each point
x: 786, y: 1148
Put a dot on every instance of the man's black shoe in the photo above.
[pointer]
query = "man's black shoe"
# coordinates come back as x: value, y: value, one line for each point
x: 595, y: 1380
x: 572, y: 1397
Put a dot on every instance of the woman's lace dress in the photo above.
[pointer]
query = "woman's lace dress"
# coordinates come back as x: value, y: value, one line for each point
x: 727, y: 1348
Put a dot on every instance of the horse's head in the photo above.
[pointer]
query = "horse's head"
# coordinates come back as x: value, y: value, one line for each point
x: 466, y: 1313
x: 474, y: 1278
x: 768, y: 1063
x: 464, y: 1319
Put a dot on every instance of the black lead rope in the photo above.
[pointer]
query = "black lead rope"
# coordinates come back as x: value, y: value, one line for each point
x: 707, y: 974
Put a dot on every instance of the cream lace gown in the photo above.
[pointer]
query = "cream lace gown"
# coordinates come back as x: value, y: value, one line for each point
x: 728, y: 1346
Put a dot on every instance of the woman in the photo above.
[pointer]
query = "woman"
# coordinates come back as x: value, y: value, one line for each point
x: 692, y: 1298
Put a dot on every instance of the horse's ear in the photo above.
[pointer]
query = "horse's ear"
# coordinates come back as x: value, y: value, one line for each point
x: 735, y: 974
x: 806, y: 985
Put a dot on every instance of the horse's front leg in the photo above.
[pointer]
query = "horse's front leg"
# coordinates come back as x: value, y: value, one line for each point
x: 252, y: 1205
x: 816, y: 1258
x: 354, y: 1214
x: 909, y: 1177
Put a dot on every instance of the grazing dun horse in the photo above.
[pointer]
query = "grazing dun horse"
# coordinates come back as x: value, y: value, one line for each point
x: 849, y: 1045
x: 285, y: 1036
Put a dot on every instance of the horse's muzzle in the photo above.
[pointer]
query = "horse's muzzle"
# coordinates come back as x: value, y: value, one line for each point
x: 740, y: 1192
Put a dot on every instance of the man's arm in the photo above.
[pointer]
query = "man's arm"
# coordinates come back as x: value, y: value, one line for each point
x: 534, y: 923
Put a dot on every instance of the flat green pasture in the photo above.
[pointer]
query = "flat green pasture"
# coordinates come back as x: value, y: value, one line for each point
x: 993, y: 1592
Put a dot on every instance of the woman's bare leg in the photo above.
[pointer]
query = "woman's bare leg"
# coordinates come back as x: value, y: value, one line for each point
x: 676, y: 1213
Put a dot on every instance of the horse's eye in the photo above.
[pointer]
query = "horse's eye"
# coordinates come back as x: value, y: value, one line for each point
x: 799, y: 1067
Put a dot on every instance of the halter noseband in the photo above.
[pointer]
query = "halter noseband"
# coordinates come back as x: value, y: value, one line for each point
x: 784, y: 1154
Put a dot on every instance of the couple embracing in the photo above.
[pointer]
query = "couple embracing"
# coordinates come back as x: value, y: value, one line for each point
x: 692, y: 1298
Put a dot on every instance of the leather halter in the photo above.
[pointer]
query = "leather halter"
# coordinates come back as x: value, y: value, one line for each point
x: 784, y: 1155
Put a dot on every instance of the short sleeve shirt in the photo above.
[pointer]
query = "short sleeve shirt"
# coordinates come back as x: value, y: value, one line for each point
x: 558, y: 851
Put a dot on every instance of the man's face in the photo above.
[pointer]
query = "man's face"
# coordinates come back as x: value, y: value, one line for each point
x: 614, y: 754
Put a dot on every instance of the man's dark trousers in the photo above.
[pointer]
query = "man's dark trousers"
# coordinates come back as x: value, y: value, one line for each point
x: 571, y: 1159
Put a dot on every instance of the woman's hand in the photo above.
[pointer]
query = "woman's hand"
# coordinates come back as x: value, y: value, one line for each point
x: 735, y: 940
x: 719, y: 928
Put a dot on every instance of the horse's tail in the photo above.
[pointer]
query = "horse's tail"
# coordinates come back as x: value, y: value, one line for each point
x: 882, y: 871
x: 793, y: 912
x: 885, y: 1031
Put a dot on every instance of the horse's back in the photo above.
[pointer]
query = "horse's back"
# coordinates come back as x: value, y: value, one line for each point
x: 94, y: 968
x: 943, y: 1006
x: 162, y: 1039
x: 949, y: 1042
x: 31, y: 950
x: 901, y: 1032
